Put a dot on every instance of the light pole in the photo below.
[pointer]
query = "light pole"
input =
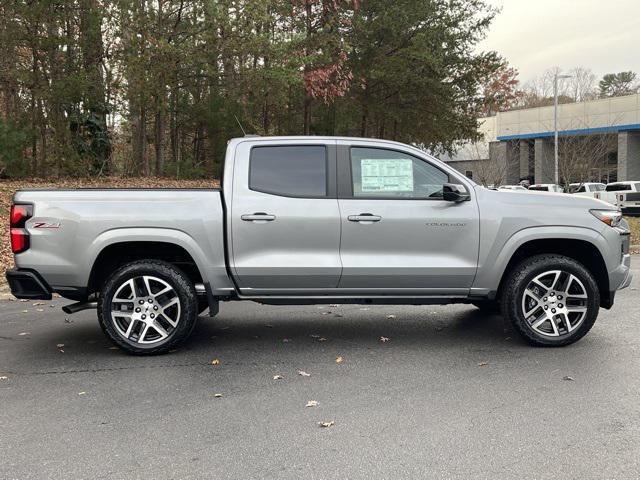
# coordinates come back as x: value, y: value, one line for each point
x: 555, y: 121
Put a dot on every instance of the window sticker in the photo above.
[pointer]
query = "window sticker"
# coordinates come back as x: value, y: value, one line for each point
x: 386, y: 175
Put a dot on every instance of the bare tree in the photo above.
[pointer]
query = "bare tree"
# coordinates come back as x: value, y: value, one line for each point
x: 580, y: 87
x: 490, y: 171
x: 580, y: 156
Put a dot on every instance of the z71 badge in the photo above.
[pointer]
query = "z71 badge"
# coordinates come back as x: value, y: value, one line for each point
x: 46, y: 225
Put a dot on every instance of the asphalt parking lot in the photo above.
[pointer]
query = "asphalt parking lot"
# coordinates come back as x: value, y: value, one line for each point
x: 452, y: 393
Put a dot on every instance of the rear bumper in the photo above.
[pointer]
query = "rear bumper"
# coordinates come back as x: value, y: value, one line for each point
x: 28, y: 284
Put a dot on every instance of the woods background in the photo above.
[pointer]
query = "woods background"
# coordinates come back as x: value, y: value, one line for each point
x: 151, y: 87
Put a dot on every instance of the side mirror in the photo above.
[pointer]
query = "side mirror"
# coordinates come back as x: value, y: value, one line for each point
x: 452, y: 192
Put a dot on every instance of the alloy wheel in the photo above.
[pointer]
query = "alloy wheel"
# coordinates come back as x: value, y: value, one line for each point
x: 554, y: 303
x: 145, y: 309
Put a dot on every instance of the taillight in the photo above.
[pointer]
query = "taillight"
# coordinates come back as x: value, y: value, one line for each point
x: 19, y: 240
x: 18, y: 218
x: 20, y: 214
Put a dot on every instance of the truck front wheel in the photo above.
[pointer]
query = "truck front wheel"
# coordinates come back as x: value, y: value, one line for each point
x: 147, y: 307
x: 551, y: 300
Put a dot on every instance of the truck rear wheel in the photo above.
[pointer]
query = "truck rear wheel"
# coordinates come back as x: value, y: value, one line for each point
x: 551, y: 300
x: 147, y: 307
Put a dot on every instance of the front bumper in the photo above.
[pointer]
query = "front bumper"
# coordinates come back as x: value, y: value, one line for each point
x: 631, y: 211
x: 28, y: 284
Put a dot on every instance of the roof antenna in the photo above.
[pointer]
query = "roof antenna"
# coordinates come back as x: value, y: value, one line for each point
x: 243, y: 132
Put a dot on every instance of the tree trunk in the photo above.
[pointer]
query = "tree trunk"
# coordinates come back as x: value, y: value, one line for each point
x: 160, y: 124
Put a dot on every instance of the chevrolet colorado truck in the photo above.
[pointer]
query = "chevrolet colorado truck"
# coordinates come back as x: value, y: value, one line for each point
x: 310, y: 220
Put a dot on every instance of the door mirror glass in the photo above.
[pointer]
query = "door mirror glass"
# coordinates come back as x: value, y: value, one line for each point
x: 455, y: 193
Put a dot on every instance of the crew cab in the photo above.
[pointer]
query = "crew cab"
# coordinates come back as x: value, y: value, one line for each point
x: 624, y: 195
x: 308, y: 220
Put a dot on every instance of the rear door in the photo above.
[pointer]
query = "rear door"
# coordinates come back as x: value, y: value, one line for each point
x: 399, y: 237
x: 285, y: 221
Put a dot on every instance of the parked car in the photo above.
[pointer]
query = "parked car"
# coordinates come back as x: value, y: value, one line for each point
x: 586, y: 189
x: 546, y: 187
x: 308, y: 220
x: 624, y: 195
x: 511, y: 187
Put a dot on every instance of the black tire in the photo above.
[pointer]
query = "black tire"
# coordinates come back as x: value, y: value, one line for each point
x: 183, y: 289
x: 523, y: 274
x: 490, y: 307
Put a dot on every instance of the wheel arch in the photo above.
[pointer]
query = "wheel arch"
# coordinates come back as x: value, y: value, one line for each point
x: 117, y: 247
x: 583, y: 251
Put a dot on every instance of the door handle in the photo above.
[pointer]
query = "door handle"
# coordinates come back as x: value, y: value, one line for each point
x: 364, y: 217
x: 258, y: 217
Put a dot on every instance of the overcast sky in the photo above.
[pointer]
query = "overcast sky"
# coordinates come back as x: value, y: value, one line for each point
x: 534, y: 35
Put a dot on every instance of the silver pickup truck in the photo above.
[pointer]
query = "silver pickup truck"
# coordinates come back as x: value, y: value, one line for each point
x: 308, y: 220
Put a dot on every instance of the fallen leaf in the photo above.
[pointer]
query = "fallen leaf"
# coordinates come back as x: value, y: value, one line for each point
x: 61, y: 351
x: 483, y: 364
x: 39, y: 310
x: 215, y: 361
x: 312, y: 403
x: 384, y: 339
x: 391, y: 316
x: 52, y: 306
x: 82, y: 393
x: 4, y: 378
x: 278, y: 377
x: 22, y: 334
x: 60, y: 345
x: 24, y: 300
x: 339, y: 359
x: 326, y: 424
x: 66, y: 320
x: 568, y: 378
x: 25, y: 311
x: 302, y: 373
x: 38, y: 303
x: 325, y: 313
x: 286, y: 340
x: 314, y: 336
x: 217, y: 395
x: 322, y: 339
x: 334, y: 305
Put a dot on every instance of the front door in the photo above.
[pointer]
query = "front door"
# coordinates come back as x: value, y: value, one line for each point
x: 285, y: 221
x: 399, y: 236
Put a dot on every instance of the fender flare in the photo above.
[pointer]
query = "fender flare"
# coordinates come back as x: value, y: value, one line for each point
x: 494, y: 264
x: 146, y: 234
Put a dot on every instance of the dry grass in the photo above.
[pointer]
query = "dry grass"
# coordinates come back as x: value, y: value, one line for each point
x: 634, y: 223
x: 8, y: 188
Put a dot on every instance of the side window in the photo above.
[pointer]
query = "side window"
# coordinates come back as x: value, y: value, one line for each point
x: 377, y: 172
x: 291, y: 171
x: 582, y: 189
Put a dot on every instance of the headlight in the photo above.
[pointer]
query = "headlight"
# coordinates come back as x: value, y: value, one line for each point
x: 610, y: 217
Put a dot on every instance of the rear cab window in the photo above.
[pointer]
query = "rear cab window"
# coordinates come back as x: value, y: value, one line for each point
x: 618, y: 187
x: 289, y: 170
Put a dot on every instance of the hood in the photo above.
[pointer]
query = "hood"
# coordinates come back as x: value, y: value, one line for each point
x: 547, y: 199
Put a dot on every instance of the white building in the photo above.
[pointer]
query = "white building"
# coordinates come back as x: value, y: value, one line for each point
x: 523, y: 139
